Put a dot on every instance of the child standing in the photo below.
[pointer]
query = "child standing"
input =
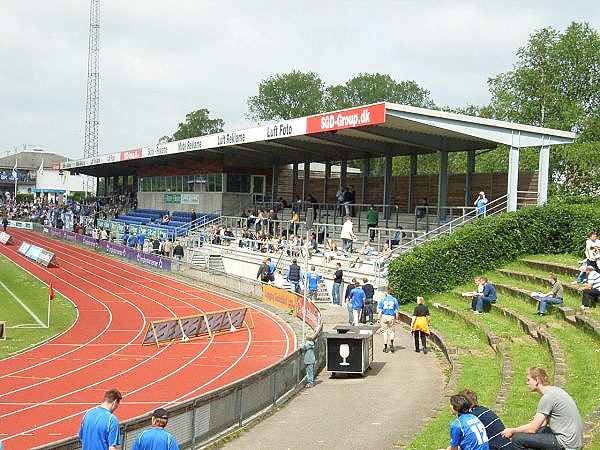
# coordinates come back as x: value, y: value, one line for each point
x: 309, y: 360
x: 420, y: 325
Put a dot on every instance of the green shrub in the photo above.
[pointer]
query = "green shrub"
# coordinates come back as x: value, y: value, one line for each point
x: 487, y: 243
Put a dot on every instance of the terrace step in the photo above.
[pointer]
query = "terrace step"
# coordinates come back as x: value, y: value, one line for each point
x: 536, y: 279
x: 551, y: 267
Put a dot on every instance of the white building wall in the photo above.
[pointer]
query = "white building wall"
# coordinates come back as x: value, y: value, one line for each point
x: 51, y: 179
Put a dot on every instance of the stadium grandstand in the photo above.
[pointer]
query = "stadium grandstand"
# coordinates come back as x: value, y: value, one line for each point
x: 239, y: 195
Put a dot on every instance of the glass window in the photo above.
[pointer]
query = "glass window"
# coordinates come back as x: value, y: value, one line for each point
x: 238, y: 183
x: 158, y: 184
x: 178, y: 186
x: 215, y: 182
x: 258, y: 184
x: 168, y: 184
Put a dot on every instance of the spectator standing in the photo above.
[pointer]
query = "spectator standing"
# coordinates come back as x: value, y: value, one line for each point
x: 372, y: 221
x: 487, y: 296
x: 272, y: 268
x: 420, y: 325
x: 168, y: 248
x: 347, y: 235
x: 336, y: 291
x: 466, y: 431
x: 388, y: 307
x: 591, y: 288
x: 347, y: 300
x: 178, y: 254
x: 309, y: 360
x: 312, y: 281
x: 193, y: 218
x: 592, y: 250
x: 557, y: 423
x: 99, y: 428
x: 156, y: 438
x: 554, y: 297
x: 263, y: 272
x: 357, y: 298
x: 103, y: 235
x: 369, y: 291
x: 481, y: 204
x: 4, y: 223
x: 347, y: 201
x: 490, y: 420
x: 294, y: 275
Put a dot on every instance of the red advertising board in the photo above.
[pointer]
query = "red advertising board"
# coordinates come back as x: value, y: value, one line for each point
x: 131, y: 154
x: 348, y: 118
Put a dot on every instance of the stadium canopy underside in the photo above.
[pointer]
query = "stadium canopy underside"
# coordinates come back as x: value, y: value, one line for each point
x: 370, y: 131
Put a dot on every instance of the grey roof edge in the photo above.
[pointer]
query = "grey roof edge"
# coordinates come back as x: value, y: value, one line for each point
x: 480, y: 120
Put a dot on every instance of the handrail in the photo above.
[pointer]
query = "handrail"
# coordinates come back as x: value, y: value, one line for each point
x: 202, y: 221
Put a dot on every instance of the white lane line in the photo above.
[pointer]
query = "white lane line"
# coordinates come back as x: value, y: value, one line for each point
x: 23, y: 305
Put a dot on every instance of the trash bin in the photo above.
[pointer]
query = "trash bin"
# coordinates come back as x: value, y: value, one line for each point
x: 350, y: 349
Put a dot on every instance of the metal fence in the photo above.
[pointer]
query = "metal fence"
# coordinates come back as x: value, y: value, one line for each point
x: 206, y: 418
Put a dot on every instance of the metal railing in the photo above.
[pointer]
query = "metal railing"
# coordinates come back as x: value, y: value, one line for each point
x: 200, y: 222
x: 429, y: 216
x: 208, y: 417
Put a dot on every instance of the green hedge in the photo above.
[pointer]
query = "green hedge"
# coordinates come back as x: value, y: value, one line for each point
x: 560, y: 227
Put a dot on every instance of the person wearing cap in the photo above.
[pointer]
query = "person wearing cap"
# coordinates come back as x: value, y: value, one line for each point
x: 591, y: 289
x: 100, y: 427
x: 156, y: 437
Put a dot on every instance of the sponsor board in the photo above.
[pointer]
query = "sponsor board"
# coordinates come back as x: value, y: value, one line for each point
x: 348, y: 118
x: 190, y: 199
x: 290, y: 301
x: 5, y: 238
x: 20, y: 224
x: 131, y: 154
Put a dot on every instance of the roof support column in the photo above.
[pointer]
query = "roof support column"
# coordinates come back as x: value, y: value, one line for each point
x: 469, y: 178
x: 306, y: 180
x: 412, y: 174
x: 443, y: 185
x: 105, y: 193
x: 326, y: 180
x: 365, y: 179
x: 274, y: 183
x: 343, y: 172
x: 294, y: 177
x: 543, y: 174
x: 387, y: 187
x: 513, y: 179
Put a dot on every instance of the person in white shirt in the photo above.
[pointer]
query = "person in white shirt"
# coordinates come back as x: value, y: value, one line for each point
x: 347, y: 235
x: 591, y: 289
x: 592, y: 250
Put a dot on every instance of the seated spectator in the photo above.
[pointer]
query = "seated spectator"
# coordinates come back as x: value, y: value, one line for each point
x: 331, y: 250
x: 131, y: 241
x: 554, y: 297
x: 167, y: 248
x: 582, y: 277
x: 486, y: 297
x: 592, y: 250
x: 383, y: 258
x: 591, y: 289
x: 557, y: 422
x: 155, y: 245
x: 492, y: 423
x: 466, y: 431
x: 125, y: 238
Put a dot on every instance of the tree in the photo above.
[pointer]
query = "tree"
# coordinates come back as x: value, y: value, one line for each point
x: 197, y: 123
x: 368, y: 88
x: 555, y: 81
x: 286, y: 96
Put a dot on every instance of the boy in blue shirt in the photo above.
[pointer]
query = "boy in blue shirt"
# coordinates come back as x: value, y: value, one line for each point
x: 156, y: 438
x: 466, y: 431
x: 388, y: 307
x: 357, y: 298
x: 312, y: 283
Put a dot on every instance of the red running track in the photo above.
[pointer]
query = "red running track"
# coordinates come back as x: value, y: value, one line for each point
x: 45, y: 391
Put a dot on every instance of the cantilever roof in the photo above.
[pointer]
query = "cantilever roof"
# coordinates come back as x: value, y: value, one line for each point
x: 372, y: 131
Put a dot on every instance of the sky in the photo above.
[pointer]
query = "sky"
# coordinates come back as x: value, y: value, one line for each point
x: 160, y: 59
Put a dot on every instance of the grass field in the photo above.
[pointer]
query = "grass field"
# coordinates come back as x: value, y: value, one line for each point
x: 24, y: 320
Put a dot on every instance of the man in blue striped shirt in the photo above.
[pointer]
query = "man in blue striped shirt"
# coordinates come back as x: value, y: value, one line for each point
x: 156, y: 438
x: 492, y: 423
x: 100, y: 427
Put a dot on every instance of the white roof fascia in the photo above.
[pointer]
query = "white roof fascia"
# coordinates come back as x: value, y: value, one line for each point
x: 502, y: 132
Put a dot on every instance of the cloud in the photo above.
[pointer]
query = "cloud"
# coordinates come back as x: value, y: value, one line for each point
x: 162, y: 59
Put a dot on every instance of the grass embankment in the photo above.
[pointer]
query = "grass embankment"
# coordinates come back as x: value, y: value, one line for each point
x: 20, y: 323
x: 482, y: 371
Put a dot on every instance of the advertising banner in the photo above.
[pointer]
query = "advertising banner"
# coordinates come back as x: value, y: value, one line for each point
x: 173, y: 198
x: 312, y: 313
x: 190, y: 199
x: 279, y: 298
x: 349, y: 118
x: 20, y: 224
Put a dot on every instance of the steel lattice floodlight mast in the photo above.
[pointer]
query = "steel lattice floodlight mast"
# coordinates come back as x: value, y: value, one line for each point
x: 92, y: 99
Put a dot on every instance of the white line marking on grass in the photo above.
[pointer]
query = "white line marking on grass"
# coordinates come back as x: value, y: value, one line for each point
x: 25, y: 307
